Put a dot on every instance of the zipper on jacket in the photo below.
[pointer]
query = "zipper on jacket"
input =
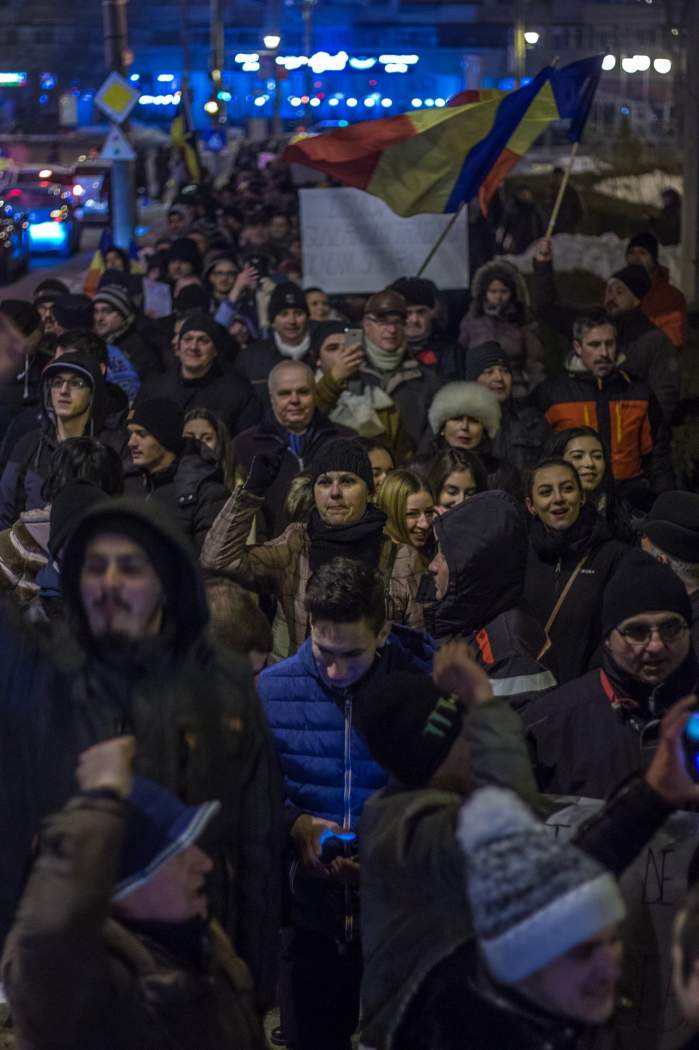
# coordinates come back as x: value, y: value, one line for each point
x: 347, y: 806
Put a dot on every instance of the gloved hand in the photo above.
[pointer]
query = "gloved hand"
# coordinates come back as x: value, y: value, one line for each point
x: 263, y: 472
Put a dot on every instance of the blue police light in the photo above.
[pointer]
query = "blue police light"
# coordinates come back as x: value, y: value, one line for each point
x: 44, y: 236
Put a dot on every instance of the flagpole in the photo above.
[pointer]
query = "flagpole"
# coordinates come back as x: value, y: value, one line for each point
x: 561, y: 190
x: 438, y: 242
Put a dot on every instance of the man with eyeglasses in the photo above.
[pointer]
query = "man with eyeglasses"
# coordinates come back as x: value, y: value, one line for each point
x: 220, y: 275
x: 592, y: 732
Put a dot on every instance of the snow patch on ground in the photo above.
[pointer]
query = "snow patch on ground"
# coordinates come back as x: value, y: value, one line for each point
x: 601, y: 255
x: 640, y: 189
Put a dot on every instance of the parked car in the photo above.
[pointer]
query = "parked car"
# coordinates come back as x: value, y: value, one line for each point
x: 51, y: 215
x: 14, y: 241
x: 91, y: 186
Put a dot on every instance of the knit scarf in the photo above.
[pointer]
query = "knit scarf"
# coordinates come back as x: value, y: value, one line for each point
x: 360, y: 540
x: 383, y: 360
x: 553, y: 544
x: 294, y: 352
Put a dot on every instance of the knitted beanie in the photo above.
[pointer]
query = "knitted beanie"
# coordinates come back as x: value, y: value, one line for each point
x: 287, y: 296
x: 346, y: 454
x: 635, y: 278
x: 185, y: 250
x: 74, y: 311
x: 201, y: 322
x: 642, y: 584
x: 532, y: 897
x: 321, y: 332
x: 24, y: 314
x: 673, y: 525
x: 49, y: 290
x: 644, y: 240
x: 465, y: 399
x: 163, y: 419
x: 487, y: 355
x: 116, y: 298
x: 408, y: 724
x: 191, y: 297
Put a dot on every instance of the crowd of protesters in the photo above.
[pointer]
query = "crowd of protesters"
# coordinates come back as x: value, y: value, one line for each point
x: 314, y: 608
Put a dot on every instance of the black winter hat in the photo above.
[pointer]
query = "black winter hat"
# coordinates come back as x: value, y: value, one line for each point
x: 642, y: 584
x: 644, y: 240
x: 185, y: 250
x: 343, y: 454
x: 322, y: 331
x: 635, y: 278
x: 191, y: 297
x: 49, y: 290
x: 74, y: 311
x: 162, y: 418
x: 487, y: 355
x: 287, y: 296
x: 201, y: 322
x: 408, y: 724
x: 23, y: 314
x: 68, y: 508
x: 673, y: 525
x: 417, y: 291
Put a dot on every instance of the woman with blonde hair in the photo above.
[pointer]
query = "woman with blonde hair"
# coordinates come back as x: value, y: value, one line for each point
x: 408, y: 503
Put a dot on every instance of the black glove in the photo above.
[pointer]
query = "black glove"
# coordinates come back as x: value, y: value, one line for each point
x: 263, y: 472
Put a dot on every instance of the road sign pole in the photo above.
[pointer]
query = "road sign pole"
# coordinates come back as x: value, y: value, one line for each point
x: 123, y: 171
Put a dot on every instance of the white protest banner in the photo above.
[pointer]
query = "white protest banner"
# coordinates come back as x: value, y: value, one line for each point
x: 654, y: 887
x: 353, y: 242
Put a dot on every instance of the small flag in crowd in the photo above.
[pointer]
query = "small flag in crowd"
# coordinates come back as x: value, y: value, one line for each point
x: 435, y: 160
x: 184, y: 136
x: 97, y: 265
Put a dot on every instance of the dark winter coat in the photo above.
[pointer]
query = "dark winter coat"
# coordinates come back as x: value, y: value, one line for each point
x: 590, y: 733
x: 222, y: 390
x: 267, y: 438
x: 575, y: 634
x: 142, y: 353
x: 28, y: 465
x: 135, y: 990
x: 485, y: 546
x: 328, y: 771
x: 623, y: 411
x: 20, y: 392
x: 694, y: 599
x: 648, y: 353
x: 522, y: 435
x: 190, y: 491
x: 199, y: 729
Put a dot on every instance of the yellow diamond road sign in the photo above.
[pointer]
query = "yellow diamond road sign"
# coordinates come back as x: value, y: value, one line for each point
x: 117, y: 97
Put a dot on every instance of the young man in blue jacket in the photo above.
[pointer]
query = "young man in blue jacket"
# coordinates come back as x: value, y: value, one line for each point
x: 310, y: 701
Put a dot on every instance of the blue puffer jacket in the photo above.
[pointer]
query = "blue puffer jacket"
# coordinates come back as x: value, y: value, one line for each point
x: 328, y: 771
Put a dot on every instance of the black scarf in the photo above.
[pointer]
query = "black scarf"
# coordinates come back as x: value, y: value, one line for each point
x: 360, y: 540
x: 590, y: 530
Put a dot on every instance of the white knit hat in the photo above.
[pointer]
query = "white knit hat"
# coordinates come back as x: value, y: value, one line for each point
x: 533, y: 898
x: 465, y: 399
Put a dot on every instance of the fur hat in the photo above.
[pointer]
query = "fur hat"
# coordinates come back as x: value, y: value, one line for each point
x: 465, y: 399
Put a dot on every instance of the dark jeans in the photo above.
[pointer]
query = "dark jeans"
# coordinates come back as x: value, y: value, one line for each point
x: 319, y: 991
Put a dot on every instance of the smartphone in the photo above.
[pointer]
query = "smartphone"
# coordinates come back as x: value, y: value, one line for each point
x: 690, y: 740
x: 353, y: 336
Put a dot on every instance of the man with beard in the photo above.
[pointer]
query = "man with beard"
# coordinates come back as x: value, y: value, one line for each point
x: 134, y: 659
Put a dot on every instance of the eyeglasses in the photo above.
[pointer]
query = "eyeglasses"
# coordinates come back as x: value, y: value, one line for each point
x: 641, y: 633
x: 74, y: 383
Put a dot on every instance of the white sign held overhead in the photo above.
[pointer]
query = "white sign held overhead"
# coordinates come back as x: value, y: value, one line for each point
x: 117, y: 146
x: 353, y: 242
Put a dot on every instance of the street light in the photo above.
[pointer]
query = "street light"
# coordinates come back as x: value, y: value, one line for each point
x: 608, y: 62
x: 642, y: 62
x: 272, y: 41
x: 531, y: 37
x: 629, y: 65
x: 662, y: 65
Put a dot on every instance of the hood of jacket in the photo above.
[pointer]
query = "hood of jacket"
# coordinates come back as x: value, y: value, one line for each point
x: 484, y: 541
x: 87, y: 368
x: 186, y: 611
x: 485, y: 273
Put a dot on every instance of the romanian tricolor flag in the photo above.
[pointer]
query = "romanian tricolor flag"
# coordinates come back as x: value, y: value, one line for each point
x: 435, y: 160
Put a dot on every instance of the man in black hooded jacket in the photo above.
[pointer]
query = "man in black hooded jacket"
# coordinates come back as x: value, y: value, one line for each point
x: 475, y: 587
x: 135, y: 659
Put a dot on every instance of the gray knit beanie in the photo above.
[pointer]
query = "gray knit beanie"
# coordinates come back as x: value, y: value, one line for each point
x: 533, y: 898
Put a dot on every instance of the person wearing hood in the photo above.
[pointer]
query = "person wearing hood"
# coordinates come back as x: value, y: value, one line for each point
x: 671, y: 534
x: 183, y: 259
x: 468, y: 416
x: 177, y: 472
x: 596, y: 391
x: 116, y: 322
x: 425, y: 342
x: 572, y: 556
x: 343, y: 523
x: 292, y: 426
x: 133, y: 658
x: 205, y: 377
x: 290, y: 339
x: 523, y: 428
x: 22, y: 390
x: 647, y: 352
x: 74, y: 402
x: 593, y: 731
x: 664, y: 305
x: 474, y: 590
x: 310, y: 701
x: 499, y: 313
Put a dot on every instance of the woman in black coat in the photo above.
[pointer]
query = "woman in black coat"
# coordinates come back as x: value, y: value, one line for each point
x: 572, y: 556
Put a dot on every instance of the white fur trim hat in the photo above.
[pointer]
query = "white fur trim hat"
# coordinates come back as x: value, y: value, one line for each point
x: 533, y: 897
x: 465, y: 399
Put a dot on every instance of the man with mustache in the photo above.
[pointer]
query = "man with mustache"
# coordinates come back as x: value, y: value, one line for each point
x: 135, y: 659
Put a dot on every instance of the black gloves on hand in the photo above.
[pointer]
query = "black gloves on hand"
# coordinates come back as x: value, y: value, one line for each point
x: 263, y: 472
